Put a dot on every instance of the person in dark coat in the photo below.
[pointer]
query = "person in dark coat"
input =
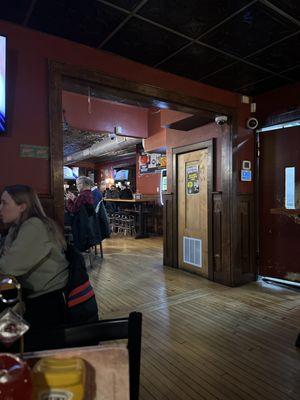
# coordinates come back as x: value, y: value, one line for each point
x: 97, y: 195
x: 126, y: 192
x: 85, y: 196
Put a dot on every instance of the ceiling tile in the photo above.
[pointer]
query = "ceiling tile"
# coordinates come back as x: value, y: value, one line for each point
x: 192, y: 17
x: 291, y: 7
x: 14, y: 10
x: 196, y: 61
x: 127, y: 4
x: 264, y: 86
x: 236, y: 76
x: 144, y: 42
x: 293, y: 73
x: 256, y: 27
x: 87, y: 22
x: 279, y: 57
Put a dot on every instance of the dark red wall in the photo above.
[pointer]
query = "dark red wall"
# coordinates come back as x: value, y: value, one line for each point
x: 104, y: 115
x: 28, y: 55
x: 278, y: 101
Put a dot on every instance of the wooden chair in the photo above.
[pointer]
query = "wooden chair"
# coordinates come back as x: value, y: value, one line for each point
x: 90, y: 335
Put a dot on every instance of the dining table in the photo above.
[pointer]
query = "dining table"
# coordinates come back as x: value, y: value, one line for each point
x: 106, y: 374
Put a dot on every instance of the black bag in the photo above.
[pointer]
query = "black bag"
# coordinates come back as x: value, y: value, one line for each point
x: 85, y: 228
x: 103, y: 220
x: 80, y: 297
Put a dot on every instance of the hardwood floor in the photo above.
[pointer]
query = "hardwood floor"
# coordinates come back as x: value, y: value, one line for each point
x: 201, y: 340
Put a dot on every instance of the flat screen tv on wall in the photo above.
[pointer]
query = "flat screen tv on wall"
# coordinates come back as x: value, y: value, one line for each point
x: 3, y: 116
x: 121, y: 174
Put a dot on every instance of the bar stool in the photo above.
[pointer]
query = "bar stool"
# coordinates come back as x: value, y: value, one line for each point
x: 118, y: 223
x: 132, y: 225
x: 111, y: 218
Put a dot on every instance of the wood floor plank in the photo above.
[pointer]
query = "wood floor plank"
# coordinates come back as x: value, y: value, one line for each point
x: 201, y: 340
x: 217, y: 363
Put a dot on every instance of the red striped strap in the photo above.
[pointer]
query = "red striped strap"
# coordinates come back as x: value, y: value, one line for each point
x: 79, y: 289
x: 81, y: 299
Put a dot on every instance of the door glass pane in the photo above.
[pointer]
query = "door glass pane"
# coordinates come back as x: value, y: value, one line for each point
x: 290, y: 187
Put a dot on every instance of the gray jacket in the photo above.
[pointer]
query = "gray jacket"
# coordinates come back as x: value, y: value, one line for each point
x: 34, y: 259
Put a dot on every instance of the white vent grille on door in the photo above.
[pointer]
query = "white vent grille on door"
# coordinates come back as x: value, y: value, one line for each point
x: 192, y: 251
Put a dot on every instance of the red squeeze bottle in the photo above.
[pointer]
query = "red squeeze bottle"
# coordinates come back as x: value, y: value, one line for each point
x: 15, y: 378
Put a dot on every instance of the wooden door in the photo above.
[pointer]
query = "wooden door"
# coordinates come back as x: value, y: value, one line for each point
x: 279, y: 243
x: 192, y: 195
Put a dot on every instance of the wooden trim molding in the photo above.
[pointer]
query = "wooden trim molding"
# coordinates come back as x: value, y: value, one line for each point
x: 115, y: 86
x: 168, y: 229
x: 245, y: 270
x: 56, y: 142
x: 217, y: 237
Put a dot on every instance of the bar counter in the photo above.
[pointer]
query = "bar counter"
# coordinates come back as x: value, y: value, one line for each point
x: 140, y: 211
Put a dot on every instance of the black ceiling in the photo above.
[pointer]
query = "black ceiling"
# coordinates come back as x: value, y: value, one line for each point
x: 248, y: 46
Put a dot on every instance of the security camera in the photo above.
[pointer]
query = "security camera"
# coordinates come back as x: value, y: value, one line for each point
x: 252, y: 123
x: 221, y: 119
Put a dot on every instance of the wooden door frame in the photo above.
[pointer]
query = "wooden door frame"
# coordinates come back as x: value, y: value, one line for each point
x: 123, y: 87
x: 210, y: 146
x: 172, y: 100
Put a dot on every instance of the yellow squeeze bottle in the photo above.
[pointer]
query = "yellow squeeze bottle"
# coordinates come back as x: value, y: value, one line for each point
x: 58, y: 378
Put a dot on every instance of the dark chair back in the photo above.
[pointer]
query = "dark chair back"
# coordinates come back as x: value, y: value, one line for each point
x: 90, y: 335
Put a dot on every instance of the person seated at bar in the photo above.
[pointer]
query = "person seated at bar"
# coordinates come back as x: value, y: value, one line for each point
x: 126, y: 192
x: 85, y: 195
x: 112, y: 193
x: 33, y: 252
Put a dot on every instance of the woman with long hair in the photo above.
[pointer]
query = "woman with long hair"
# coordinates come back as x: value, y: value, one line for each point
x: 33, y: 252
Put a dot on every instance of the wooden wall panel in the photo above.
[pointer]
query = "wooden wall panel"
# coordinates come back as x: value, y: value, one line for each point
x: 244, y: 246
x: 48, y: 205
x: 168, y: 230
x: 243, y: 268
x: 217, y: 236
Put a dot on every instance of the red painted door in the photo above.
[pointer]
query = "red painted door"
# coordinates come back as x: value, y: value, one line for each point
x: 279, y: 235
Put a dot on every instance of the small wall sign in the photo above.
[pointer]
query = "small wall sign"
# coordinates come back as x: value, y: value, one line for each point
x: 32, y: 151
x: 192, y: 179
x: 246, y: 175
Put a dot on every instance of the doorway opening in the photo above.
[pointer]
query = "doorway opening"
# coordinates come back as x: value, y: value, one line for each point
x: 103, y: 140
x: 141, y: 95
